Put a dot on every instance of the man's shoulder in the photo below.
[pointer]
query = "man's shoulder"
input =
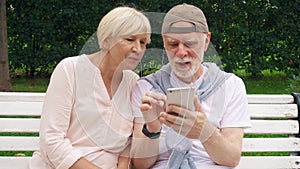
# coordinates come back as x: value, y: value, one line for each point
x: 234, y: 80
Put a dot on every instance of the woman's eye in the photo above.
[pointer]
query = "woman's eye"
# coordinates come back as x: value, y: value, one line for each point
x: 142, y: 42
x: 129, y: 39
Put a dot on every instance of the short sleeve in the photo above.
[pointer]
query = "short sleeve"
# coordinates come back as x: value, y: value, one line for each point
x: 236, y: 109
x: 138, y: 91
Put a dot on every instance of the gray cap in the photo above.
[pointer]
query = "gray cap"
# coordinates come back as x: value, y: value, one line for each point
x: 187, y: 13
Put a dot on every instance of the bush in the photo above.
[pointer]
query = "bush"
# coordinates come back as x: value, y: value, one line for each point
x: 294, y: 85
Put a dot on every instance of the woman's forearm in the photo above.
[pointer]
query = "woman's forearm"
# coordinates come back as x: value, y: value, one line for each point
x: 83, y: 163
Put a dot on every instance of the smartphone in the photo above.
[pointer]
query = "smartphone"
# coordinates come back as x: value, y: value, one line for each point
x: 183, y: 97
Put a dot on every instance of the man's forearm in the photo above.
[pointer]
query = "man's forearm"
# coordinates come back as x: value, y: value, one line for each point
x: 225, y: 149
x: 144, y: 151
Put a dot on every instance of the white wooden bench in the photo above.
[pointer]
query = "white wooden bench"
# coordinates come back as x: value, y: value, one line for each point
x: 272, y: 115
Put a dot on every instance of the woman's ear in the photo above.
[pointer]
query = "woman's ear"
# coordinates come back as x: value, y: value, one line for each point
x: 109, y: 43
x: 105, y: 45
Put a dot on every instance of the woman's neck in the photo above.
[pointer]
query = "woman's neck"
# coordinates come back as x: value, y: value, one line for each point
x: 110, y: 72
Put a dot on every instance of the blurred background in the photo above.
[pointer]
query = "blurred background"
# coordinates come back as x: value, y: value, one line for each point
x: 257, y: 39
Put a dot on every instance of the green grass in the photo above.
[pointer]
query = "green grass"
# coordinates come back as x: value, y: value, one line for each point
x: 269, y: 83
x: 25, y: 84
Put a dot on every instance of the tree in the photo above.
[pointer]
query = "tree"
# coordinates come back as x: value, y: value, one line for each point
x: 5, y: 84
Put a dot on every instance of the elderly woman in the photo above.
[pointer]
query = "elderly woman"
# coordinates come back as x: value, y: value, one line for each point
x: 87, y: 119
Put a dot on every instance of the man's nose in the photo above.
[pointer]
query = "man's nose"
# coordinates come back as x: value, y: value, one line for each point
x: 181, y: 51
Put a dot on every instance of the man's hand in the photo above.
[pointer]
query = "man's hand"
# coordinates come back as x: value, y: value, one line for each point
x: 192, y: 124
x: 153, y: 104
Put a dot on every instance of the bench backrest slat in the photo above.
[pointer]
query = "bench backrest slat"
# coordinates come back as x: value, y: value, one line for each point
x: 18, y: 125
x: 273, y: 110
x: 21, y: 143
x: 273, y: 127
x: 269, y: 162
x: 18, y: 143
x: 10, y: 108
x: 22, y: 96
x: 270, y: 99
x: 271, y: 144
x: 13, y: 162
x: 31, y: 125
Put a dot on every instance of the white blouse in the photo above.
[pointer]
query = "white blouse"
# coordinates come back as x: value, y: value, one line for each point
x: 80, y: 120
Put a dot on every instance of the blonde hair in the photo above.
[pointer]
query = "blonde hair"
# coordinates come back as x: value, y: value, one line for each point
x: 122, y: 21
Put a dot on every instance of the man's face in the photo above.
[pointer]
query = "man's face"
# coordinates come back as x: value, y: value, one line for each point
x: 185, y: 52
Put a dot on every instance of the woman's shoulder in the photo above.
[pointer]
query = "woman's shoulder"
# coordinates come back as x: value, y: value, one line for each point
x: 69, y: 60
x: 66, y: 65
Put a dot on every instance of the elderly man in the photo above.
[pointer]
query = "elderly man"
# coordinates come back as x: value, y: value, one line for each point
x: 211, y: 134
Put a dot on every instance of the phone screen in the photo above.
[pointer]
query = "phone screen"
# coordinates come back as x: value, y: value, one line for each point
x: 183, y: 97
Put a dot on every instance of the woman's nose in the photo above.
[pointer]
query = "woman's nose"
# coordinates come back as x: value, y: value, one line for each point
x: 137, y: 47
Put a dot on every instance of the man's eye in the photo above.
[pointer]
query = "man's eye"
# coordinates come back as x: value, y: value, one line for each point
x: 189, y: 44
x: 173, y: 44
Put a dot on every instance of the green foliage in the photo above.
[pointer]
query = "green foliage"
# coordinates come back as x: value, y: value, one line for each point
x: 256, y: 35
x: 250, y: 35
x: 41, y: 33
x: 294, y: 85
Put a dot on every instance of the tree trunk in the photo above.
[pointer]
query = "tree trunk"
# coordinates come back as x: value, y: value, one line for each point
x: 5, y: 83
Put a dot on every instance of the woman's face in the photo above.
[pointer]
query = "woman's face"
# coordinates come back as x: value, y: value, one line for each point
x: 128, y: 51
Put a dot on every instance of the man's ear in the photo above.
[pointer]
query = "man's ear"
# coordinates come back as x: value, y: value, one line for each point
x: 207, y: 40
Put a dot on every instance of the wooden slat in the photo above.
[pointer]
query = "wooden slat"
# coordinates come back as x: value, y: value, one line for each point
x: 18, y: 143
x: 271, y: 145
x: 270, y: 98
x: 252, y: 98
x: 22, y: 143
x: 17, y: 125
x: 256, y: 110
x: 269, y: 162
x: 31, y: 125
x: 273, y: 127
x: 22, y: 96
x: 20, y: 108
x: 14, y: 162
x: 273, y: 110
x: 265, y: 162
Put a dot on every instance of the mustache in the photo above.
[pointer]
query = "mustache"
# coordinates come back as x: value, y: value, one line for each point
x: 176, y: 59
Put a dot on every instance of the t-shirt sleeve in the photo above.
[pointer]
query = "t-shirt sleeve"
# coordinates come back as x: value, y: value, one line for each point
x: 138, y: 91
x: 236, y: 112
